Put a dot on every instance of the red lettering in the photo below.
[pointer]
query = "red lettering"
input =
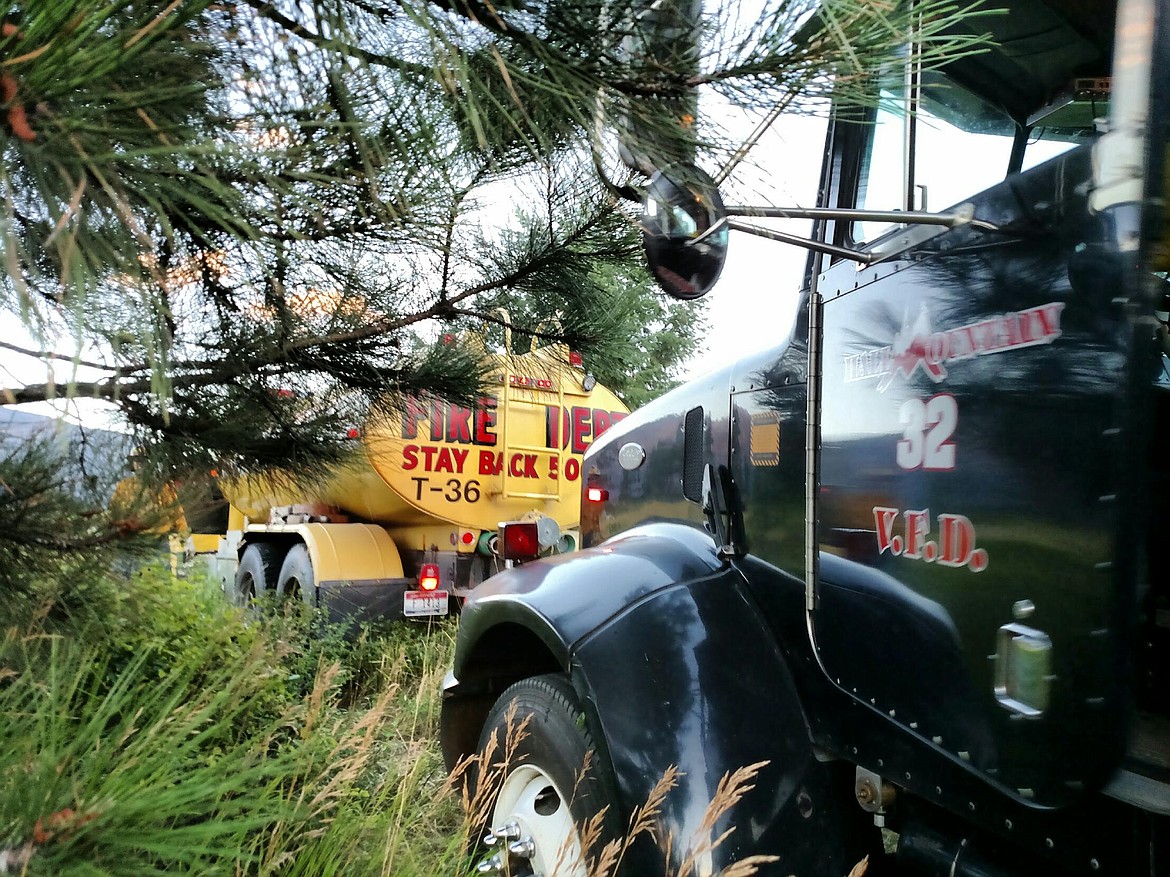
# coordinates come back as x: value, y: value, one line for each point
x: 428, y: 457
x: 556, y: 427
x: 553, y: 465
x: 955, y: 548
x: 489, y: 463
x: 443, y: 463
x: 485, y: 419
x: 572, y: 469
x: 601, y: 422
x: 1049, y: 315
x: 917, y: 528
x: 459, y: 424
x: 883, y: 520
x: 581, y: 428
x: 551, y: 425
x: 522, y: 466
x: 460, y: 456
x: 411, y: 415
x: 957, y: 535
x: 410, y: 456
x: 437, y: 420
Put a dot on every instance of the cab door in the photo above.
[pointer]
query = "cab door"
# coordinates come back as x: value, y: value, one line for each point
x: 980, y: 448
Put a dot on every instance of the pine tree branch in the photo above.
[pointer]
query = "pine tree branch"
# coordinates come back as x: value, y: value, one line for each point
x: 44, y: 354
x: 64, y: 546
x: 269, y: 12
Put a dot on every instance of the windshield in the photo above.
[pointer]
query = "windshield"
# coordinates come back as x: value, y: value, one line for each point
x: 955, y: 146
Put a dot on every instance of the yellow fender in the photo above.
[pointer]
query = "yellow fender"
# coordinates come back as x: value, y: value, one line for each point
x: 347, y: 552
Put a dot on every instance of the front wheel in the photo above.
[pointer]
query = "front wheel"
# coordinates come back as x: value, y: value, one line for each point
x: 543, y: 773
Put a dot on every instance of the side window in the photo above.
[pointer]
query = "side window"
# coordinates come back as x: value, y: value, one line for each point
x: 954, y: 147
x: 884, y: 180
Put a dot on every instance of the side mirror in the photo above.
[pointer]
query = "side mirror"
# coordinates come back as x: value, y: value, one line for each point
x: 684, y: 231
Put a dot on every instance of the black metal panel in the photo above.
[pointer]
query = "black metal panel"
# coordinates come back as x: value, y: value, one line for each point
x: 565, y: 597
x: 654, y: 489
x: 692, y: 678
x: 973, y: 439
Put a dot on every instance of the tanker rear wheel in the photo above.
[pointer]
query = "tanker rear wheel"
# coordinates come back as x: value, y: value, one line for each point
x: 296, y: 578
x: 257, y: 572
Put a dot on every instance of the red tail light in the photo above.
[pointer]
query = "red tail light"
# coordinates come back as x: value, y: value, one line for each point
x: 428, y: 576
x: 596, y: 494
x: 519, y: 540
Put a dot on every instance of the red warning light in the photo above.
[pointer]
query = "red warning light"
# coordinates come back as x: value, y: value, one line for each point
x: 467, y: 537
x: 353, y: 432
x: 428, y: 576
x: 576, y: 360
x: 519, y: 540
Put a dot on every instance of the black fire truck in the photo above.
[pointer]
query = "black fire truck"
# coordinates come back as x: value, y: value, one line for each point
x: 912, y: 558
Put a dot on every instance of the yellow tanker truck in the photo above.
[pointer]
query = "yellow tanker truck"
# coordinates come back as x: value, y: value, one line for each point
x: 440, y: 497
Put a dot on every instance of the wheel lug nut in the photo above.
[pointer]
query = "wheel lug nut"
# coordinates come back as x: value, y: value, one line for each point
x: 508, y: 831
x: 523, y: 848
x: 494, y: 865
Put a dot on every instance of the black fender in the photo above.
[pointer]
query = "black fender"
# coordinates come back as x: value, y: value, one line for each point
x: 525, y: 620
x: 667, y: 648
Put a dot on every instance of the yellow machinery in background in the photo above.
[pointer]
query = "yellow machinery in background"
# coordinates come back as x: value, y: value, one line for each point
x: 441, y: 496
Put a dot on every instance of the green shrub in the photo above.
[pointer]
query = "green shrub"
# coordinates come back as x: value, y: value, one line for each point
x: 154, y: 728
x: 131, y: 770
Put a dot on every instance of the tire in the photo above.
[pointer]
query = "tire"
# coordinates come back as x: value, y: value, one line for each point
x: 296, y: 579
x: 257, y: 572
x: 539, y: 792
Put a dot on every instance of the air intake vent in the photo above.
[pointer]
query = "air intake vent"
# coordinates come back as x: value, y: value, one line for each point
x: 693, y: 452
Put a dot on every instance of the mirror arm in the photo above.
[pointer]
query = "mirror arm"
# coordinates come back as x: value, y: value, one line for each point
x: 809, y: 244
x: 925, y: 226
x: 964, y: 214
x: 625, y: 193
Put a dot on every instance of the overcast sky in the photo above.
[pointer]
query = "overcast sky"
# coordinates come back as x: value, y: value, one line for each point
x: 753, y: 304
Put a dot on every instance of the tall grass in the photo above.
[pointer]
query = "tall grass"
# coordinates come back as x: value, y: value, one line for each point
x: 481, y: 777
x: 166, y: 732
x: 154, y: 729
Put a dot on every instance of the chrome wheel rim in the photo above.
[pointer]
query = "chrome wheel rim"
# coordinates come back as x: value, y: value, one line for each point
x: 533, y: 827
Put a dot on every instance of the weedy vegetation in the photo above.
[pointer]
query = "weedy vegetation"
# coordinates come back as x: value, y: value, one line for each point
x: 152, y: 728
x: 149, y: 727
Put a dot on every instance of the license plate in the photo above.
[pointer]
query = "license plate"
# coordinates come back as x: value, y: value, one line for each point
x: 416, y: 603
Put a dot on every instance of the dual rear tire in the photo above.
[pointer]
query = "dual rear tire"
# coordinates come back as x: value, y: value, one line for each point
x: 269, y: 567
